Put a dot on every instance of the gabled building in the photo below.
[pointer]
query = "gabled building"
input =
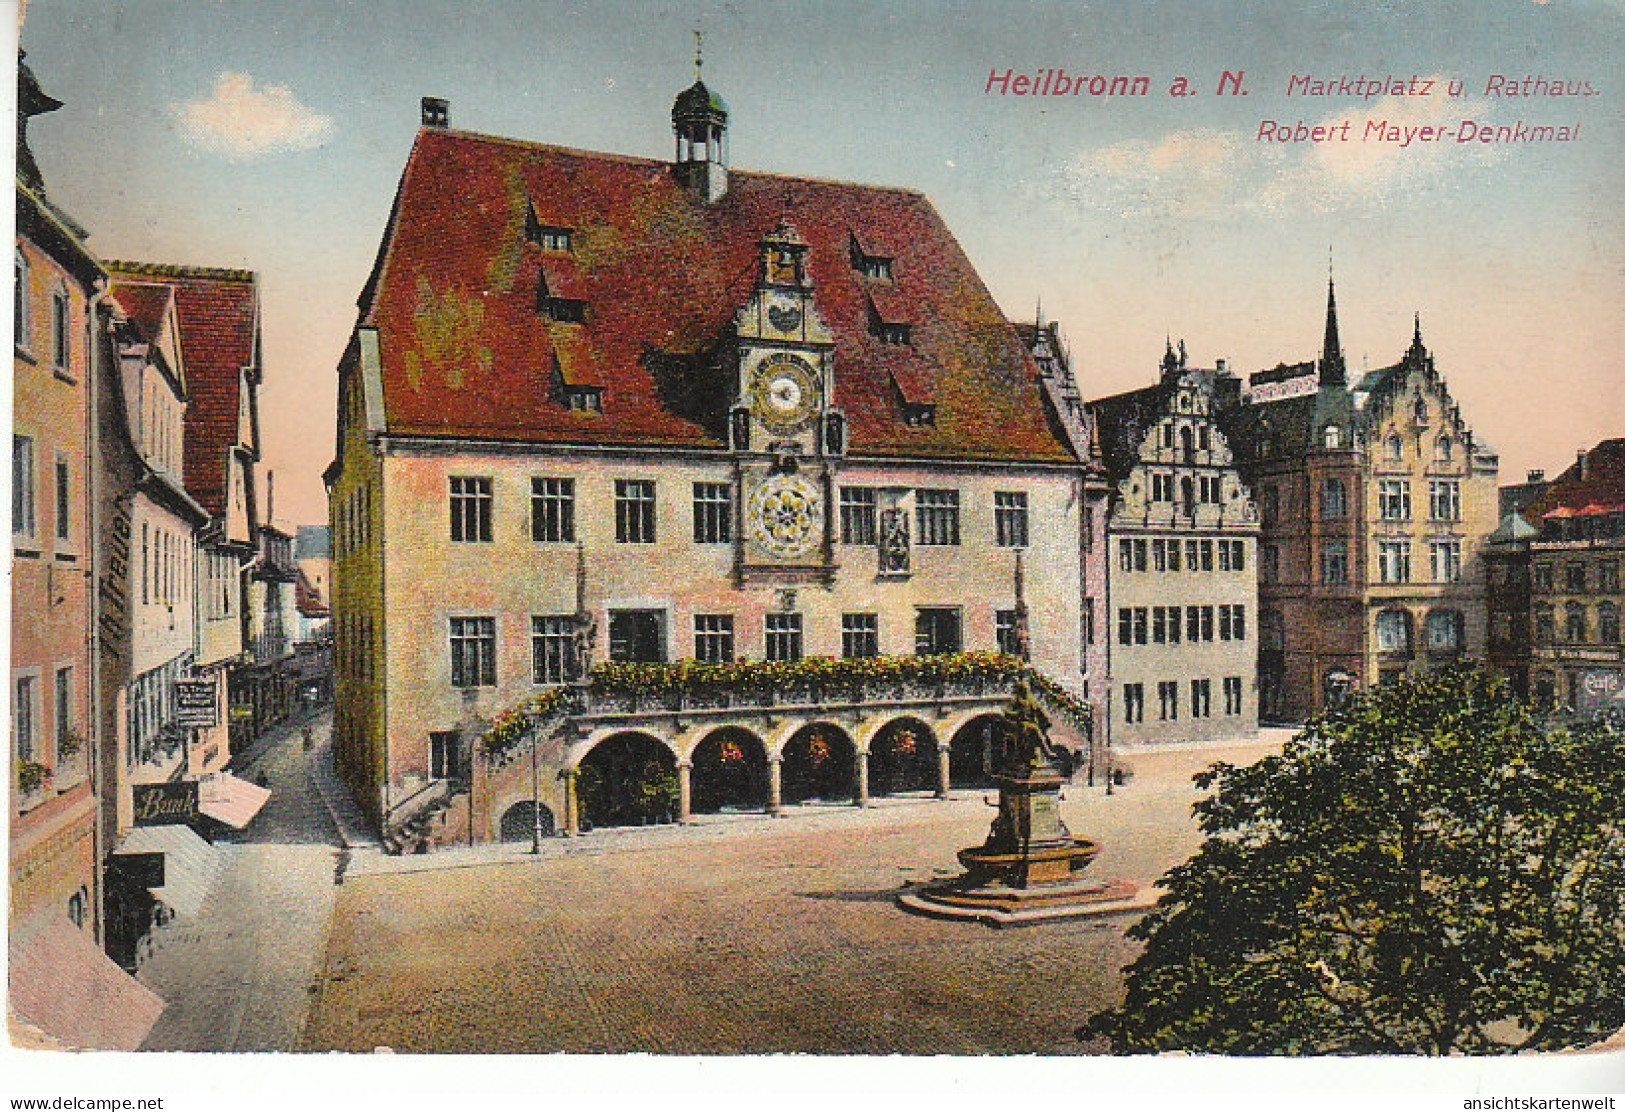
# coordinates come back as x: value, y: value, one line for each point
x: 1375, y: 498
x: 603, y: 408
x: 1576, y: 663
x: 1182, y: 533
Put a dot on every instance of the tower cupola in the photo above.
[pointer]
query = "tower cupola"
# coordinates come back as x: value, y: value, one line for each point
x: 699, y: 121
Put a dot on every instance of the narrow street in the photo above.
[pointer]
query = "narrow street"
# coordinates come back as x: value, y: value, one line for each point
x: 237, y: 977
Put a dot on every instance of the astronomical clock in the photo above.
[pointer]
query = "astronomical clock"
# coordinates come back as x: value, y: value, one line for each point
x: 785, y: 431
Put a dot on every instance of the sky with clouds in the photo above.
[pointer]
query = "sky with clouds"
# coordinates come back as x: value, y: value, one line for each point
x: 271, y: 135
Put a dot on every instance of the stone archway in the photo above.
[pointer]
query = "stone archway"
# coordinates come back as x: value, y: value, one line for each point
x: 518, y: 823
x: 976, y: 753
x: 903, y: 758
x: 729, y: 772
x: 627, y: 779
x: 820, y: 762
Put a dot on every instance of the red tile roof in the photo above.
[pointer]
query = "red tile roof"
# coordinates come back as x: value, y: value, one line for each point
x: 467, y: 354
x: 218, y: 314
x: 1603, y: 486
x: 143, y: 304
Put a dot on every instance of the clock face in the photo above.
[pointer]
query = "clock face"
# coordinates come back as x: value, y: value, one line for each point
x: 785, y: 392
x: 785, y: 511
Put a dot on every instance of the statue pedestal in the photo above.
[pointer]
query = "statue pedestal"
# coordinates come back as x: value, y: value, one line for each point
x: 1029, y: 868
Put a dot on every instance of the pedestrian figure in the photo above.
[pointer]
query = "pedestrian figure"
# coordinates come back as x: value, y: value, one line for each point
x: 309, y: 740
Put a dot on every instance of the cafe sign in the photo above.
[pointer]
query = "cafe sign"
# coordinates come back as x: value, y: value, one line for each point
x: 197, y: 703
x: 166, y: 804
x: 1599, y: 689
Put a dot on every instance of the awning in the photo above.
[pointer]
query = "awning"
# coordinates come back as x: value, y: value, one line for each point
x: 191, y: 865
x: 228, y: 799
x: 66, y: 988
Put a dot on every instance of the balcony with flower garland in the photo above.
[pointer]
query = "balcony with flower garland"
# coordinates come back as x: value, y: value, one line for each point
x: 757, y: 735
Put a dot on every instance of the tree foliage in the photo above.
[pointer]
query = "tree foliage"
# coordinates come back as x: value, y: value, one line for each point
x: 1425, y: 870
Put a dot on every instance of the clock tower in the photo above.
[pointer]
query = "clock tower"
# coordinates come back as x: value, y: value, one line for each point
x: 784, y: 428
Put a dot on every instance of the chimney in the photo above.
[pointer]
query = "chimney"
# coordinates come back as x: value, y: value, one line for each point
x: 1536, y: 475
x: 1220, y: 366
x: 436, y: 112
x: 1583, y: 462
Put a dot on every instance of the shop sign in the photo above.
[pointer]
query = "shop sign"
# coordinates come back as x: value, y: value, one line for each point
x: 165, y: 804
x: 197, y: 703
x: 1599, y: 689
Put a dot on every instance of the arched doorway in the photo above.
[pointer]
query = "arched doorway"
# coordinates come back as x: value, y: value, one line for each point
x: 730, y: 772
x: 518, y: 823
x: 627, y: 780
x: 976, y: 753
x: 820, y: 762
x: 903, y: 758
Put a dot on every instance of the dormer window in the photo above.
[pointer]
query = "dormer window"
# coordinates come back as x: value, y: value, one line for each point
x: 879, y: 269
x: 895, y: 333
x: 549, y: 237
x: 919, y: 416
x: 869, y: 262
x: 564, y: 310
x: 584, y: 399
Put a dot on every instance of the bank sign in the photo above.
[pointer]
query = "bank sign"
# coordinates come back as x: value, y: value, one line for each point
x: 1598, y: 690
x: 166, y: 804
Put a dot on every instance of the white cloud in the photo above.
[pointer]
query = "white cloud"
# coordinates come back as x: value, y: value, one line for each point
x: 240, y: 120
x: 1206, y: 172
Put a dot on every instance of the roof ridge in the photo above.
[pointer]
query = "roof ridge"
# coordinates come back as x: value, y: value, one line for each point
x: 642, y: 160
x: 118, y: 268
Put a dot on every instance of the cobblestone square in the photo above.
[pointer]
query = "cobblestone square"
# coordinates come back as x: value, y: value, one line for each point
x: 739, y: 935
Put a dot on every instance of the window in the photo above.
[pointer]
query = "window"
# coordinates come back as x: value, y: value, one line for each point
x: 1395, y: 449
x: 1334, y: 562
x: 1574, y: 622
x: 552, y: 238
x: 1133, y: 703
x: 857, y: 515
x: 1232, y: 695
x: 1394, y: 500
x: 1210, y: 489
x: 470, y: 510
x: 637, y: 636
x: 445, y: 755
x: 1201, y: 698
x: 784, y: 637
x: 1445, y: 449
x: 860, y: 636
x: 714, y: 638
x: 1205, y: 550
x: 1574, y: 576
x: 1198, y: 623
x: 1545, y: 624
x: 1232, y: 556
x: 937, y: 631
x: 22, y: 486
x: 1159, y: 625
x: 1131, y: 554
x: 1131, y: 625
x: 1233, y: 623
x: 61, y: 335
x: 1007, y: 632
x: 584, y: 399
x: 564, y: 310
x: 1162, y: 488
x: 19, y: 299
x: 1446, y: 630
x: 1608, y: 623
x: 553, y: 650
x: 873, y: 266
x: 1088, y: 617
x: 24, y: 719
x: 1010, y: 519
x: 64, y: 498
x: 553, y: 510
x: 1444, y: 500
x: 1165, y: 555
x: 1332, y: 438
x: 899, y: 334
x: 1334, y: 499
x: 64, y: 704
x: 1608, y: 576
x: 937, y: 516
x: 1393, y: 632
x: 1394, y: 561
x: 1271, y: 509
x: 1445, y: 560
x: 635, y: 511
x: 473, y: 652
x: 1168, y: 700
x: 1543, y: 577
x: 713, y: 513
x: 1271, y: 563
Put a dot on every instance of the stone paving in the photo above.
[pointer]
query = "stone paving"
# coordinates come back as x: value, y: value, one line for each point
x: 237, y: 976
x: 741, y: 934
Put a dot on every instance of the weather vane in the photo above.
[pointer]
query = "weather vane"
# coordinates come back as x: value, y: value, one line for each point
x: 699, y: 40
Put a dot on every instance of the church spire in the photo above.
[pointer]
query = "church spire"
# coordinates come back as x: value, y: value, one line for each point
x: 1332, y: 371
